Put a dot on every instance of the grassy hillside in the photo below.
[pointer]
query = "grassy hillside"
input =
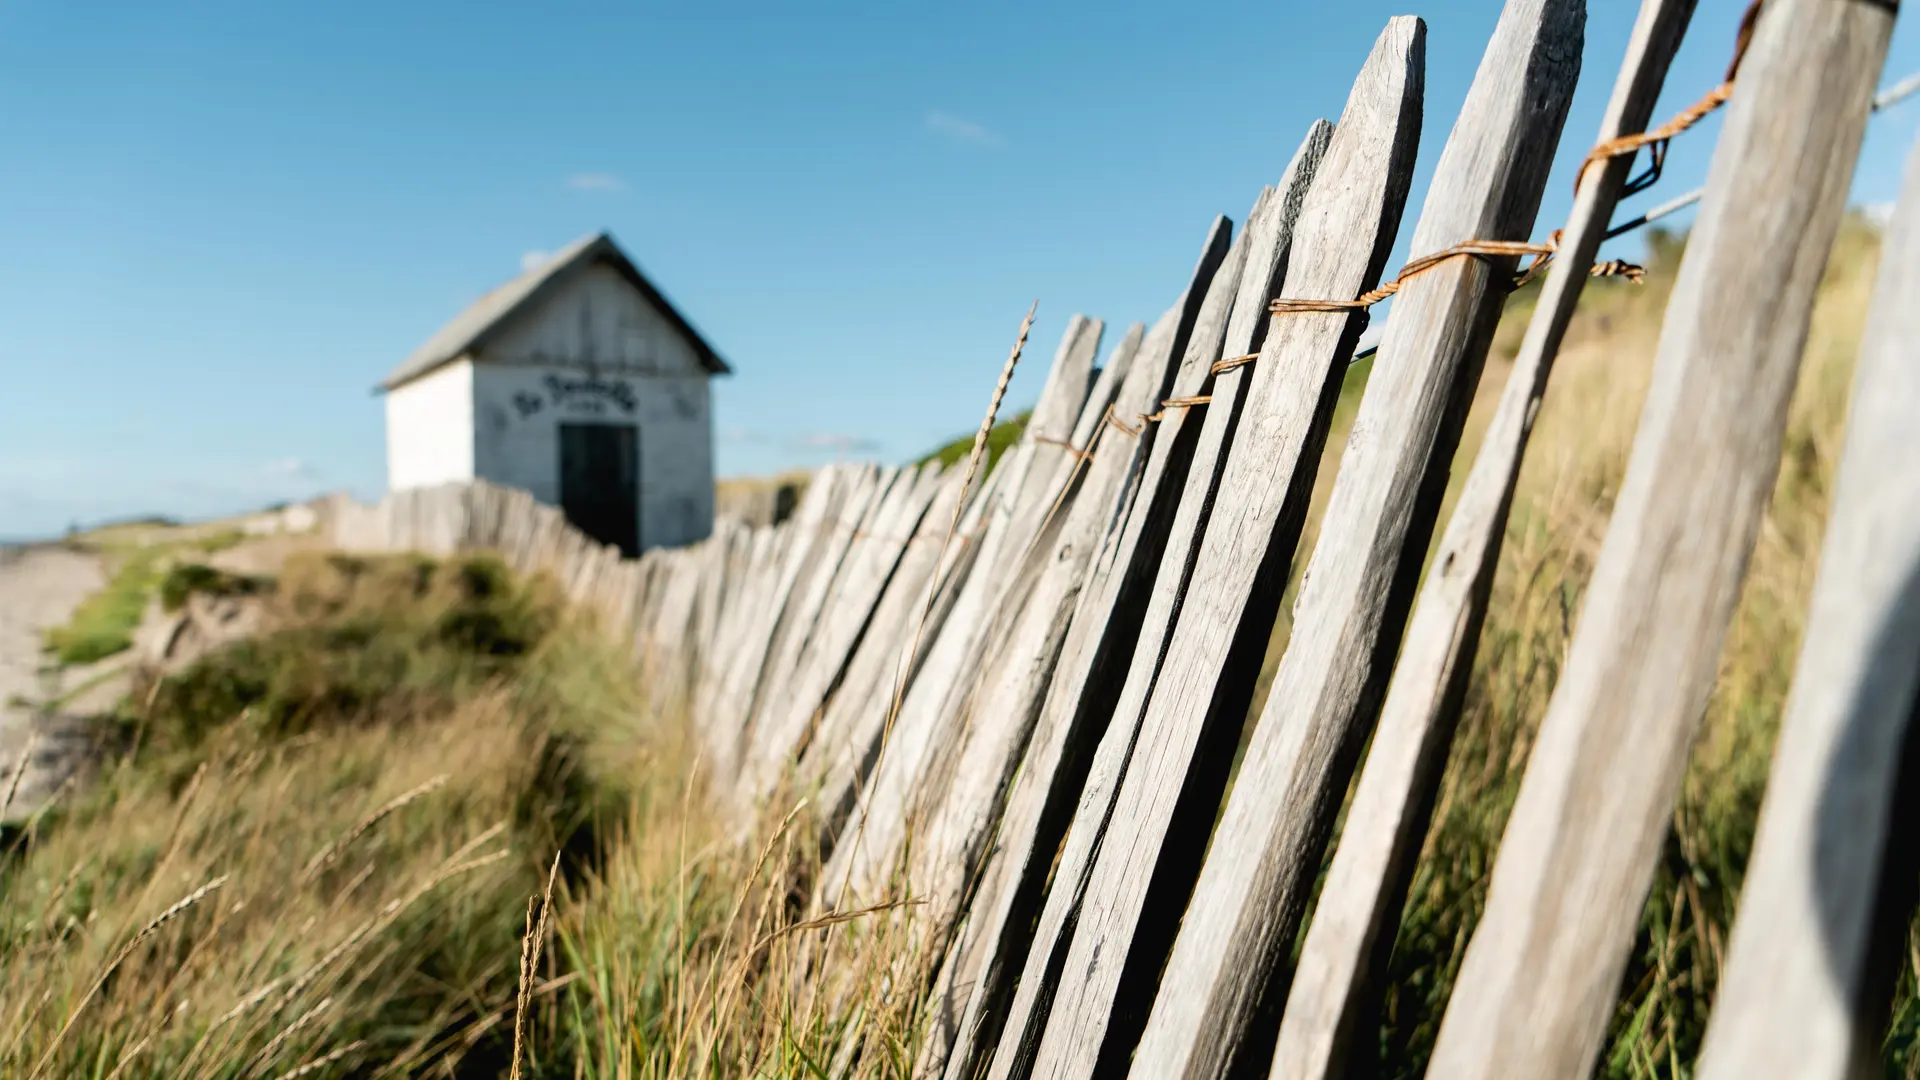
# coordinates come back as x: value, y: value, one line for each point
x: 356, y: 807
x: 352, y: 809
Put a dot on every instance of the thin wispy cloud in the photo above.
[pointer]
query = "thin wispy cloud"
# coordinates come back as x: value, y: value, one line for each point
x: 595, y: 181
x: 963, y: 132
x: 290, y: 469
x: 835, y: 442
x: 809, y: 443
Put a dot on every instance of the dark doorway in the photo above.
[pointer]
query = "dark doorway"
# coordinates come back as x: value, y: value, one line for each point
x: 600, y: 482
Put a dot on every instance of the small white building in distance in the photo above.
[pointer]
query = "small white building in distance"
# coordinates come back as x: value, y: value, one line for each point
x: 576, y: 381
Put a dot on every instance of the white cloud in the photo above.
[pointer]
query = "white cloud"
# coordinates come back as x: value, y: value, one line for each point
x: 531, y: 259
x: 595, y: 181
x: 963, y: 132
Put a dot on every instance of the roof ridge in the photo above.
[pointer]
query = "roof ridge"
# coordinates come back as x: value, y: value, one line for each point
x: 467, y: 330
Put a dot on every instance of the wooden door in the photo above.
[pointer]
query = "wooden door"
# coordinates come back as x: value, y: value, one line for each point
x: 600, y: 482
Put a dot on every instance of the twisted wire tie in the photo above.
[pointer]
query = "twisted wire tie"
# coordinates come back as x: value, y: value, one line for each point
x: 1488, y: 249
x: 1686, y: 118
x: 1174, y: 403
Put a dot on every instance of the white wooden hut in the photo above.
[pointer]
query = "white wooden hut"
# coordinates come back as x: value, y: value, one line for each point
x: 576, y: 381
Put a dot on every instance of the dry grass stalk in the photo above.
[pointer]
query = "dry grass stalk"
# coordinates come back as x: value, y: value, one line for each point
x: 322, y: 1062
x: 19, y: 773
x: 326, y: 856
x: 392, y: 910
x: 188, y: 796
x: 271, y: 1050
x: 530, y: 962
x: 179, y: 907
x: 128, y: 1057
x: 831, y: 918
x: 736, y: 972
x: 680, y: 884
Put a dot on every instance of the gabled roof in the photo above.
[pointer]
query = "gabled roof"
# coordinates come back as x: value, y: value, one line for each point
x: 470, y: 330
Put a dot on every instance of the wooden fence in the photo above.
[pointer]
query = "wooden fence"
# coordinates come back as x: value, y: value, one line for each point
x: 1023, y: 696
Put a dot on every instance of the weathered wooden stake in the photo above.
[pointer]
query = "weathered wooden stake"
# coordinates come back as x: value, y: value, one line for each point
x: 1221, y: 992
x: 1543, y: 969
x: 962, y: 799
x: 1174, y: 778
x: 1124, y: 676
x: 1335, y: 988
x: 1828, y: 895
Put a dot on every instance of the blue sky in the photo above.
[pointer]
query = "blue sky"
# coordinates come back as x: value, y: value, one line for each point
x: 224, y: 222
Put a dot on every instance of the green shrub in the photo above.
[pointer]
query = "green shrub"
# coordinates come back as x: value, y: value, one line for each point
x: 187, y: 579
x: 999, y: 438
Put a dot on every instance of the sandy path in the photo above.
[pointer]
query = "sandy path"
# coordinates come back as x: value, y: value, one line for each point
x: 39, y: 587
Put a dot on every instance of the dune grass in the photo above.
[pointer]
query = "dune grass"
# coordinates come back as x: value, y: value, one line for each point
x: 345, y: 817
x: 370, y: 789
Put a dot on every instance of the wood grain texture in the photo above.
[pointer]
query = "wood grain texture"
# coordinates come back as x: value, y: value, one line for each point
x: 1539, y: 979
x: 932, y: 716
x: 1221, y: 991
x: 812, y: 589
x: 1106, y: 617
x: 1173, y: 781
x: 869, y: 570
x: 1828, y: 893
x: 838, y: 755
x: 1056, y: 434
x: 962, y: 794
x: 1190, y: 503
x: 879, y: 823
x: 727, y: 714
x: 867, y: 521
x: 1335, y: 986
x: 765, y: 558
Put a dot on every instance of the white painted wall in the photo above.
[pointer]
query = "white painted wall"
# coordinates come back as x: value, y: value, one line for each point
x: 430, y: 428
